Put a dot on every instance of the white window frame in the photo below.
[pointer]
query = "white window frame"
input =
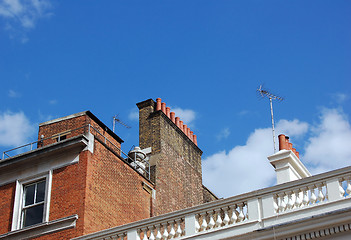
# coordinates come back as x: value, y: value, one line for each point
x: 18, y: 204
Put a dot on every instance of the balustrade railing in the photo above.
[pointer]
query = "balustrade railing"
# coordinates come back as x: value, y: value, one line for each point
x: 300, y: 197
x: 224, y: 216
x: 327, y: 191
x: 164, y: 230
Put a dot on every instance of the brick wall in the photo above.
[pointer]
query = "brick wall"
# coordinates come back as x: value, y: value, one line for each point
x: 115, y: 193
x: 75, y: 125
x: 7, y: 193
x: 175, y: 158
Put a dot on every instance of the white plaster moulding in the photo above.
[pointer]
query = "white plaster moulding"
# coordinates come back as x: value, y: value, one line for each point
x: 42, y: 228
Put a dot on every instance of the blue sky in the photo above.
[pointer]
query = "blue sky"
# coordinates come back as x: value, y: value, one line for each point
x: 203, y: 58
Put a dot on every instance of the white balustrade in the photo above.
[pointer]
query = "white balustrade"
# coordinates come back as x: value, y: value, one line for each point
x: 168, y: 230
x: 221, y: 217
x: 300, y: 197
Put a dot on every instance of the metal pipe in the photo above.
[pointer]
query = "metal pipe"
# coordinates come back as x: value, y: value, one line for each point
x: 270, y: 100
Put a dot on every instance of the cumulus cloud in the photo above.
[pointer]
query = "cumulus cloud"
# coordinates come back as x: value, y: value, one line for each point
x: 186, y: 115
x: 223, y: 134
x: 329, y: 146
x: 22, y: 15
x: 15, y: 129
x: 243, y: 168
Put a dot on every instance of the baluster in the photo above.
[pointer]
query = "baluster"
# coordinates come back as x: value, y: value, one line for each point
x: 290, y: 203
x: 313, y: 198
x: 158, y: 234
x: 219, y: 219
x: 321, y: 196
x: 138, y: 235
x: 204, y: 223
x: 282, y: 204
x: 226, y: 217
x: 179, y: 230
x: 211, y: 222
x: 275, y: 205
x: 241, y: 215
x: 298, y: 201
x: 165, y: 232
x: 145, y: 234
x: 348, y: 189
x: 197, y: 225
x: 305, y: 199
x: 234, y: 216
x: 341, y: 189
x: 123, y: 236
x: 152, y: 236
x: 172, y: 232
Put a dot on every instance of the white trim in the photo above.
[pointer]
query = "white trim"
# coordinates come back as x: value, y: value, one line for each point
x: 42, y: 228
x: 18, y: 203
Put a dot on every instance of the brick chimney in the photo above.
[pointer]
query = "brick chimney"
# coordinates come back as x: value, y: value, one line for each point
x: 287, y: 163
x: 175, y: 158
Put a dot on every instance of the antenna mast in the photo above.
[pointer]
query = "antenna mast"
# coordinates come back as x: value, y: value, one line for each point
x: 265, y: 93
x: 116, y: 119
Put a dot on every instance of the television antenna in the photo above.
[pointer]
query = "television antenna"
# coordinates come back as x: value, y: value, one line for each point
x: 265, y: 93
x: 116, y: 119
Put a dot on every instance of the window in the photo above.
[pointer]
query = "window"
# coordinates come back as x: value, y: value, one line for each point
x: 61, y: 138
x: 32, y: 201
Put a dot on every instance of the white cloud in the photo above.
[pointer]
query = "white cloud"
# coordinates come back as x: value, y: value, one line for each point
x: 15, y: 129
x: 329, y: 146
x: 294, y: 128
x: 22, y: 15
x: 134, y: 114
x: 243, y: 168
x: 223, y: 134
x: 186, y: 115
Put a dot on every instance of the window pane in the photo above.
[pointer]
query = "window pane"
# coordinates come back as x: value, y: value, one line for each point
x: 29, y: 194
x: 40, y: 192
x: 33, y: 215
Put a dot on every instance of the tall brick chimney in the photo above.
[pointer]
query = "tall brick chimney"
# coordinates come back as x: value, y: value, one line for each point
x: 175, y: 157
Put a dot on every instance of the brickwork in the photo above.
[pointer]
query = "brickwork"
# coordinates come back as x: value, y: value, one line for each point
x: 75, y: 125
x: 115, y: 193
x: 7, y: 193
x: 177, y: 160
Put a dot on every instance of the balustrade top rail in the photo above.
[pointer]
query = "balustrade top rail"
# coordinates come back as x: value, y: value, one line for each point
x: 81, y: 130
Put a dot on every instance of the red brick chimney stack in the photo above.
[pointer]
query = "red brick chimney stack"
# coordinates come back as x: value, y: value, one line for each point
x: 180, y: 124
x: 285, y: 144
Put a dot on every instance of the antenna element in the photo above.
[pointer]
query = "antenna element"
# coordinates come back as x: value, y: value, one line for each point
x: 265, y: 93
x: 116, y: 119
